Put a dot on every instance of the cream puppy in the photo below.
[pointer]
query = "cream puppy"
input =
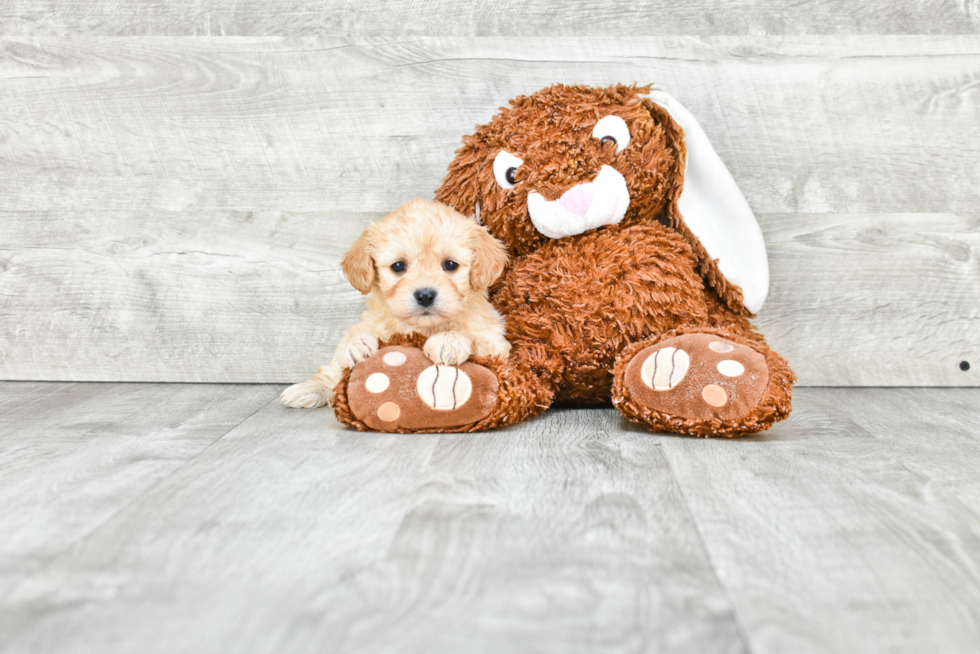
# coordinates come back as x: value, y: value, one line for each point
x: 425, y: 269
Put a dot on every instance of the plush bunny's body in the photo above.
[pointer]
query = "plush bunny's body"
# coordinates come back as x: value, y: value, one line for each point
x: 610, y: 295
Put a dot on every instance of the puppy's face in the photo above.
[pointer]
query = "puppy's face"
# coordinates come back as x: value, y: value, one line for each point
x: 423, y: 271
x: 425, y: 259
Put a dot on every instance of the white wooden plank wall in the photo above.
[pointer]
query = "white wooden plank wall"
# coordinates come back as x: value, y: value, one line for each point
x: 174, y: 208
x: 487, y: 18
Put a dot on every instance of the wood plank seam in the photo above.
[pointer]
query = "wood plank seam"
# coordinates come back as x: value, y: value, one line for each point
x: 52, y: 560
x: 733, y: 608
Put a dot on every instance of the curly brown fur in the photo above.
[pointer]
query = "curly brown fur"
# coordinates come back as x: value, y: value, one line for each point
x: 577, y: 308
x: 551, y: 131
x: 582, y: 300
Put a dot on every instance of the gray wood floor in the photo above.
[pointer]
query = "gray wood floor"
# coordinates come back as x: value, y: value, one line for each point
x: 207, y: 518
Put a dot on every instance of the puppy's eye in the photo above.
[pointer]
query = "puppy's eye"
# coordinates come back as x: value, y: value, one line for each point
x: 612, y: 129
x: 398, y: 267
x: 449, y: 265
x: 505, y: 167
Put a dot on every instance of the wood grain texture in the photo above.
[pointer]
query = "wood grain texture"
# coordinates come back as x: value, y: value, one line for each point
x: 74, y: 455
x: 807, y: 125
x: 875, y: 300
x: 291, y: 534
x: 856, y: 300
x: 398, y: 18
x: 851, y: 527
x: 174, y: 208
x: 218, y: 297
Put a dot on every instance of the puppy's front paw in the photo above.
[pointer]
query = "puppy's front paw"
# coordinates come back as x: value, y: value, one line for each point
x: 354, y: 349
x: 309, y: 394
x: 448, y: 348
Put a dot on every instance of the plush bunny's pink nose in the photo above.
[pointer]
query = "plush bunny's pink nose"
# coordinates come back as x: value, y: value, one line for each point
x: 577, y: 199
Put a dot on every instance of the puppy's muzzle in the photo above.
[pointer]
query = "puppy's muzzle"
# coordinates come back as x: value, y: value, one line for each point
x: 425, y: 297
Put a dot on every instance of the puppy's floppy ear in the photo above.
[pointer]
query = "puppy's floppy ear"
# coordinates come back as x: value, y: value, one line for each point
x: 358, y: 264
x: 489, y: 258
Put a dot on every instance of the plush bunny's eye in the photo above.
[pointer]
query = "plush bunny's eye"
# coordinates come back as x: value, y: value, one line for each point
x: 612, y: 129
x: 505, y: 167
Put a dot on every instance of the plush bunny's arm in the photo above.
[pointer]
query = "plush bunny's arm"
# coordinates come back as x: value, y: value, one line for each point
x: 717, y: 213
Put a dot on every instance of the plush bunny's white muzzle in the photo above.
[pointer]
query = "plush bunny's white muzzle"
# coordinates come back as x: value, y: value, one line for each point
x: 603, y: 201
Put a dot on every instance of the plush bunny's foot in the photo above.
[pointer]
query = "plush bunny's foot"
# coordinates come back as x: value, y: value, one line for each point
x: 702, y: 384
x: 399, y: 389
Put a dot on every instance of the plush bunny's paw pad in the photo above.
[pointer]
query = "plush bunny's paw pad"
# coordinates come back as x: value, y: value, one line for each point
x: 699, y: 376
x: 399, y: 388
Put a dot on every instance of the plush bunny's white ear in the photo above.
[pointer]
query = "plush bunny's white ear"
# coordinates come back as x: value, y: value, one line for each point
x: 715, y: 210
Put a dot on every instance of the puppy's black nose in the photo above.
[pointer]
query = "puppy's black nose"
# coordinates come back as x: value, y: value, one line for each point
x: 425, y: 296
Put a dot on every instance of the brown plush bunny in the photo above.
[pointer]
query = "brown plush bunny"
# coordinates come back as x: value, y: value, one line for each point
x: 636, y: 263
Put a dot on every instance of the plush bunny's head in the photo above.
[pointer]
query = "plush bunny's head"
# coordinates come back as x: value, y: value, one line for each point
x: 569, y: 160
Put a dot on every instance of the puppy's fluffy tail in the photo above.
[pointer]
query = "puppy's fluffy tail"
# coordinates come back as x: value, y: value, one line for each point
x: 315, y: 392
